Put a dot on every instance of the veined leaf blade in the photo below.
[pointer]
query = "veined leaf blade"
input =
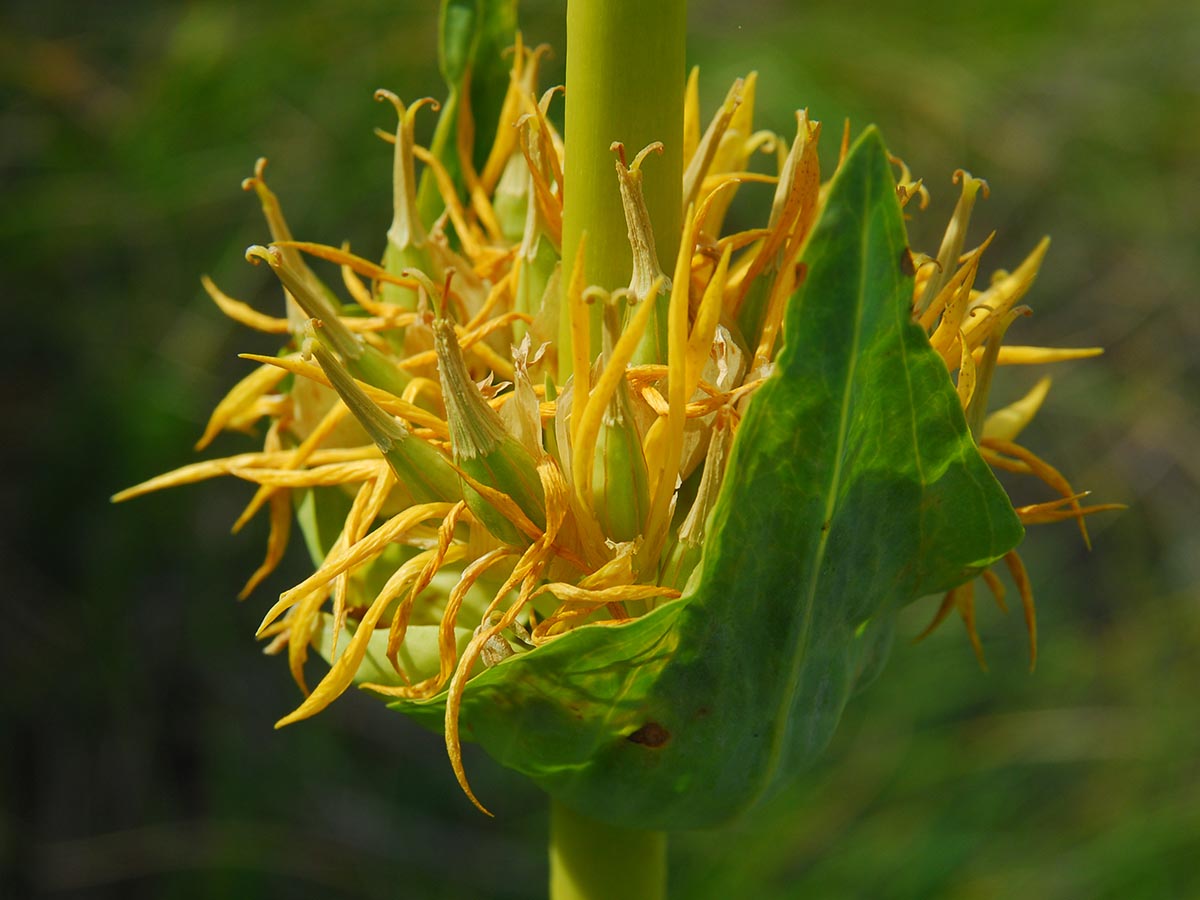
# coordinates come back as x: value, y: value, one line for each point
x: 853, y: 487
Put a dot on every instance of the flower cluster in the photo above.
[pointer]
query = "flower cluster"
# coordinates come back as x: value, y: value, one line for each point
x: 484, y: 451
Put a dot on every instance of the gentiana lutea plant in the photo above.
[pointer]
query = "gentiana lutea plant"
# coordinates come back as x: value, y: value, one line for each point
x: 628, y: 496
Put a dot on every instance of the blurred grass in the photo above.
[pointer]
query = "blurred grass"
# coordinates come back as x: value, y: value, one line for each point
x: 138, y: 758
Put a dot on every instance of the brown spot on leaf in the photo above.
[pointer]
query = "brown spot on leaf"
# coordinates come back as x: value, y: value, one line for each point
x: 907, y: 266
x: 650, y: 735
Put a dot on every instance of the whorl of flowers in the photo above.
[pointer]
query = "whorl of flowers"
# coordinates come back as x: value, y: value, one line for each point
x: 465, y: 502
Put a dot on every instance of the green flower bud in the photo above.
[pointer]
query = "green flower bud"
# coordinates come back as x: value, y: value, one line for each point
x: 483, y: 448
x: 364, y: 361
x: 424, y: 472
x: 620, y: 480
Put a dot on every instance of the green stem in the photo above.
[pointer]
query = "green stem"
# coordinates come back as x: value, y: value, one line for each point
x: 590, y: 860
x: 625, y: 82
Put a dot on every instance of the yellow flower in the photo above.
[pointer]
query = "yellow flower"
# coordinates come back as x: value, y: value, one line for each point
x: 481, y: 508
x: 967, y: 327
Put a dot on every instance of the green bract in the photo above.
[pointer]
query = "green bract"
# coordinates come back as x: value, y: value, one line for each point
x: 853, y: 488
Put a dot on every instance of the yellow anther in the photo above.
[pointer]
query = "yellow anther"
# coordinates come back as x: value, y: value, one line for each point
x: 966, y: 373
x: 701, y: 338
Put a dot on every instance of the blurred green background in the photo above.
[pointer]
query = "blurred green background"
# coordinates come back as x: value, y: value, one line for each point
x: 137, y: 757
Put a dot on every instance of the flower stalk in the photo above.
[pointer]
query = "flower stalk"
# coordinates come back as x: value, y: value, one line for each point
x: 625, y: 84
x: 591, y: 860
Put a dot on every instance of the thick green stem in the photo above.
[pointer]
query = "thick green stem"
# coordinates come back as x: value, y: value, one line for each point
x: 625, y: 82
x: 590, y: 860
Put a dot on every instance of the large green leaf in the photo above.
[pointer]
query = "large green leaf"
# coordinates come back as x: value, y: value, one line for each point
x: 853, y: 488
x: 473, y: 36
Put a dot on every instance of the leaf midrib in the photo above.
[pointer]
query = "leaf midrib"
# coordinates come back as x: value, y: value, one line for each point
x: 795, y: 663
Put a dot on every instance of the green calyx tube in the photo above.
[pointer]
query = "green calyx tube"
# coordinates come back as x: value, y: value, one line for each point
x: 365, y: 362
x: 425, y: 472
x: 620, y: 479
x: 483, y: 448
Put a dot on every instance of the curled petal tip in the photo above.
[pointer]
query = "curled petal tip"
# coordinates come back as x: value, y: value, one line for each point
x: 255, y: 181
x: 270, y: 255
x: 619, y: 148
x: 406, y: 113
x: 391, y: 97
x: 548, y: 95
x: 595, y: 292
x: 655, y: 147
x: 961, y: 175
x: 411, y: 115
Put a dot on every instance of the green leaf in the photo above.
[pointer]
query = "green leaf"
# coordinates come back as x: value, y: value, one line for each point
x: 473, y: 37
x: 853, y: 488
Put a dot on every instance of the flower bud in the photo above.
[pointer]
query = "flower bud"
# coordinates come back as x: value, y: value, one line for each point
x: 620, y: 480
x: 426, y: 474
x: 364, y: 361
x: 483, y: 448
